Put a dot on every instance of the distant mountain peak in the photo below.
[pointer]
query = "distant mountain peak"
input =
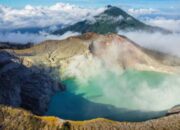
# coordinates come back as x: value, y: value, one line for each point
x: 109, y: 6
x: 115, y: 11
x: 112, y: 20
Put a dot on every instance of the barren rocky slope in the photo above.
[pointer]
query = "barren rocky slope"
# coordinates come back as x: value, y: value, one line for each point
x: 111, y: 48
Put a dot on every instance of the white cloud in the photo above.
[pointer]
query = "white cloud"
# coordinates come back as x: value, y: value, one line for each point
x: 168, y: 43
x: 23, y: 38
x: 39, y: 16
x: 160, y: 18
x: 170, y: 24
x: 142, y: 11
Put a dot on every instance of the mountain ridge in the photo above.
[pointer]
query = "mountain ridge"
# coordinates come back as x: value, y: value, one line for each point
x: 82, y: 45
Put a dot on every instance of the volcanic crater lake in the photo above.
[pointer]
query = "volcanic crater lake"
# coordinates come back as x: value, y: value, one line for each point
x: 129, y: 96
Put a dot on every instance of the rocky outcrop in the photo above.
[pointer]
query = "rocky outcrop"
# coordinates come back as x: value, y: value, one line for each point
x: 22, y: 86
x: 174, y: 110
x: 18, y: 119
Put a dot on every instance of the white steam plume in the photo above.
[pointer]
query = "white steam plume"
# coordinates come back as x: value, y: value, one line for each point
x: 134, y: 90
x: 167, y: 43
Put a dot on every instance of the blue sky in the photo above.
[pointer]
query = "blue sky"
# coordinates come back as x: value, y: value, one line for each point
x: 97, y: 3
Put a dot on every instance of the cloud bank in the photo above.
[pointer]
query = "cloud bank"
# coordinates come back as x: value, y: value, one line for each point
x: 23, y: 38
x: 170, y: 24
x: 156, y: 17
x: 42, y: 16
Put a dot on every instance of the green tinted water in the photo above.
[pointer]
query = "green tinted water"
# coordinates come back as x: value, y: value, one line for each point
x: 132, y: 95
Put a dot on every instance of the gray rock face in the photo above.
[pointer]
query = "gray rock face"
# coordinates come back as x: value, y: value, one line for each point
x: 30, y: 88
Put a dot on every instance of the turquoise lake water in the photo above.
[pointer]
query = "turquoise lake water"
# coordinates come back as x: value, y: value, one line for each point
x: 128, y: 96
